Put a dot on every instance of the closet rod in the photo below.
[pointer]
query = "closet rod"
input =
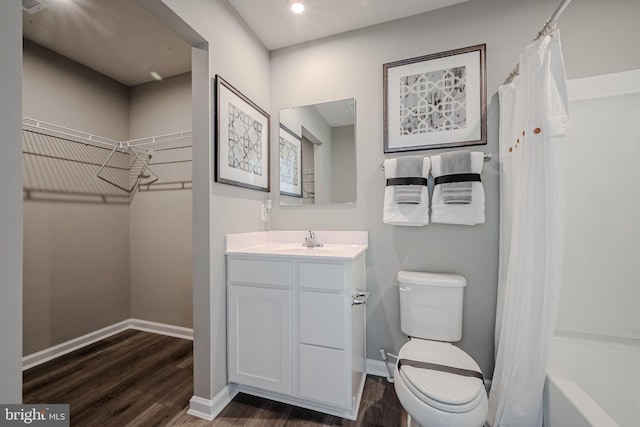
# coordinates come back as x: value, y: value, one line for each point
x: 546, y: 29
x: 67, y: 132
x: 87, y: 137
x: 161, y: 139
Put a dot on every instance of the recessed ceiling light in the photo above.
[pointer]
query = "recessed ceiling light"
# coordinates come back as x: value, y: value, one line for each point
x: 296, y: 7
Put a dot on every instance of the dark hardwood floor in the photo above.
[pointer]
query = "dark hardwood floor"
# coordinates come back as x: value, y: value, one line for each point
x: 143, y: 379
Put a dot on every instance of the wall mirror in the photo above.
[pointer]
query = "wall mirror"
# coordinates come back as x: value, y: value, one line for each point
x: 318, y: 153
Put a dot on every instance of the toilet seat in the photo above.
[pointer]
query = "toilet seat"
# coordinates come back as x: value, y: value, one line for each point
x: 442, y: 390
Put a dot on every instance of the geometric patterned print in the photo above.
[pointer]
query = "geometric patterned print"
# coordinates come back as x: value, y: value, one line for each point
x: 288, y: 162
x: 433, y: 101
x: 245, y: 142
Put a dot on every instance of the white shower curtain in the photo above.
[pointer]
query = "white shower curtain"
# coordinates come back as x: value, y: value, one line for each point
x: 533, y: 124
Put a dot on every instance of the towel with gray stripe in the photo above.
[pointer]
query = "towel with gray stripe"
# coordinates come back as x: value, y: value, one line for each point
x: 408, y: 167
x: 456, y: 162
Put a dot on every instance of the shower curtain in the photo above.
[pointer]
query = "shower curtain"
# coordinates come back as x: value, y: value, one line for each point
x: 533, y: 124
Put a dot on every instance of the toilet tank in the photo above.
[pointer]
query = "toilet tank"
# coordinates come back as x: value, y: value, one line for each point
x: 431, y: 305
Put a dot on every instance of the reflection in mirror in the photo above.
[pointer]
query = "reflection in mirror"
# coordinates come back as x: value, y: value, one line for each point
x: 318, y: 153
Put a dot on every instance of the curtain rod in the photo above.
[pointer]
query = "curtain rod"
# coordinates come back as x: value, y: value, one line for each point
x: 548, y: 27
x: 558, y: 11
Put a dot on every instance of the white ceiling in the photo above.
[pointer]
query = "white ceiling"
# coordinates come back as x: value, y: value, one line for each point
x: 277, y: 27
x: 120, y: 39
x: 338, y: 113
x: 117, y: 38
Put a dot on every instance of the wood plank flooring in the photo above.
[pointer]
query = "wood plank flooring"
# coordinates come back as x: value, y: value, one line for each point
x: 142, y: 379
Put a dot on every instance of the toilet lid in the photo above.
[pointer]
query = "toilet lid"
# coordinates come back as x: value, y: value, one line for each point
x: 447, y: 391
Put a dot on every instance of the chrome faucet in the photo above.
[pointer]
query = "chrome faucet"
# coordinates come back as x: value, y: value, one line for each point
x: 310, y: 241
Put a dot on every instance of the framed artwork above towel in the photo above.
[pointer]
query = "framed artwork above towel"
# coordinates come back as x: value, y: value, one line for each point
x: 436, y: 101
x: 242, y: 139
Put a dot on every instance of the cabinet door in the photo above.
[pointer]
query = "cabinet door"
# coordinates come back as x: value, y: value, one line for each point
x: 260, y: 337
x: 325, y: 375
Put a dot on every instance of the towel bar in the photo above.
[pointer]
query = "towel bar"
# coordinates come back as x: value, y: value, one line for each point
x: 487, y: 157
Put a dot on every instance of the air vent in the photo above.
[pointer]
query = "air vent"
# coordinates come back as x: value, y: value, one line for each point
x: 34, y: 6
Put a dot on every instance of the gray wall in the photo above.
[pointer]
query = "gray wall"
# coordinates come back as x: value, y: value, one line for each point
x: 160, y: 108
x: 241, y: 59
x: 11, y: 206
x: 76, y: 255
x: 160, y: 221
x: 343, y: 161
x: 76, y: 270
x: 60, y: 91
x: 160, y: 257
x: 598, y: 37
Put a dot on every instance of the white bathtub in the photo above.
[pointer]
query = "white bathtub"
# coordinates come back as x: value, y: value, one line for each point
x: 593, y: 383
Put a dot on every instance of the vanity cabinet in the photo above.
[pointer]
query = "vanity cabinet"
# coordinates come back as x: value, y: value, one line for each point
x: 294, y: 334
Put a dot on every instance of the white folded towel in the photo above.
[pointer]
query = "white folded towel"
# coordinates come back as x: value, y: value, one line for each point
x: 465, y: 214
x: 405, y: 214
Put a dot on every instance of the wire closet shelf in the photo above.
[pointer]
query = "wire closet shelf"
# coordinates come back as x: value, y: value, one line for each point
x: 63, y: 163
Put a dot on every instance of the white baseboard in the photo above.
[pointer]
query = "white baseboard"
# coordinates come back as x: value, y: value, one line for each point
x: 209, y: 409
x: 161, y: 328
x: 51, y: 353
x: 377, y: 368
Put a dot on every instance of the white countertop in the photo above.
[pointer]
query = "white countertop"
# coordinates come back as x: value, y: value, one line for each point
x: 345, y: 245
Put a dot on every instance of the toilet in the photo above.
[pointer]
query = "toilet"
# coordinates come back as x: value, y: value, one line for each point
x: 437, y: 383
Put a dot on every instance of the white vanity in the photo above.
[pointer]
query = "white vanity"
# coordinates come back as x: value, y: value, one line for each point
x: 296, y: 318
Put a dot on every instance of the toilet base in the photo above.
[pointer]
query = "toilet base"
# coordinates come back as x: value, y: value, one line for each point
x: 411, y: 422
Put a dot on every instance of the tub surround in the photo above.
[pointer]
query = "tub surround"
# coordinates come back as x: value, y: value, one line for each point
x: 592, y: 380
x: 593, y: 369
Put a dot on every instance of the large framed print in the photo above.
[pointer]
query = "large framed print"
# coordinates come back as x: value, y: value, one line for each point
x: 436, y: 101
x: 290, y: 162
x: 242, y: 139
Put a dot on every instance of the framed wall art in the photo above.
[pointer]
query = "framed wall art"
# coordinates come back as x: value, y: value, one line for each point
x: 290, y: 162
x: 436, y: 101
x: 242, y: 139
